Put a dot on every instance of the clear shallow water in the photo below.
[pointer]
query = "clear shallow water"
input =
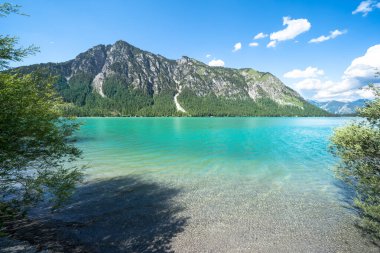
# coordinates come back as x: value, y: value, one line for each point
x: 275, y: 147
x: 244, y: 184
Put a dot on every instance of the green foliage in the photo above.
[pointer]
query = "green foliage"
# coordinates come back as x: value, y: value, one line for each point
x: 35, y: 142
x: 371, y: 111
x: 78, y: 89
x: 134, y: 102
x: 126, y: 101
x: 163, y: 105
x: 213, y: 106
x: 8, y: 44
x: 8, y: 8
x: 120, y: 100
x: 9, y: 52
x: 358, y: 146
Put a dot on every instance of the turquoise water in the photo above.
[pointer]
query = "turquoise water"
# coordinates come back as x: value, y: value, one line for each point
x: 274, y: 147
x: 246, y: 184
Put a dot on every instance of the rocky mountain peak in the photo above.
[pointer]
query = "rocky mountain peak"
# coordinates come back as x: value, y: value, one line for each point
x: 185, y: 60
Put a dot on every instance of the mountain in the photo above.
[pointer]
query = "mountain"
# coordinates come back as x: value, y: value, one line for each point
x: 338, y: 107
x: 122, y: 80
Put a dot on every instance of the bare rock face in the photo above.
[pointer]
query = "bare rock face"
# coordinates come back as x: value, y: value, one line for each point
x: 90, y: 62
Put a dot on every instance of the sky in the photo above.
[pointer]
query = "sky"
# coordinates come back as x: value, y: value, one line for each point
x: 325, y: 50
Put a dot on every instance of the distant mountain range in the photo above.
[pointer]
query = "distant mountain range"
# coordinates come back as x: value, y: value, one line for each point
x: 338, y: 107
x: 122, y: 80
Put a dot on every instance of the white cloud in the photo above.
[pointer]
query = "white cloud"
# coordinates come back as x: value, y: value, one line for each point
x: 361, y: 72
x: 365, y: 66
x: 260, y: 36
x: 306, y: 73
x: 272, y: 44
x: 365, y: 7
x: 216, y: 63
x: 333, y: 35
x: 365, y: 93
x: 208, y: 55
x: 237, y: 47
x: 311, y: 84
x: 324, y: 90
x: 253, y: 44
x: 347, y: 95
x: 294, y: 27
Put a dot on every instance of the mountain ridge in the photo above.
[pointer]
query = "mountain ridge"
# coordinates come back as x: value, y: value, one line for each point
x: 123, y: 80
x: 340, y: 107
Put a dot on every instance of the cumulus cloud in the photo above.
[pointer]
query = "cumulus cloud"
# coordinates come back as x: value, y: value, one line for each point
x: 366, y: 66
x: 260, y: 36
x: 312, y: 84
x: 328, y: 90
x: 361, y: 72
x: 306, y: 73
x: 208, y: 55
x: 216, y: 63
x: 332, y: 35
x: 237, y: 47
x: 345, y: 96
x: 272, y: 43
x: 294, y: 27
x: 253, y: 44
x: 366, y: 7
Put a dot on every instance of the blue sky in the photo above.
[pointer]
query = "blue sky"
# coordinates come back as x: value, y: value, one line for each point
x: 323, y: 70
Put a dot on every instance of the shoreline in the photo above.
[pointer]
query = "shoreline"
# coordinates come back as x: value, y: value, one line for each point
x: 127, y: 214
x: 334, y: 116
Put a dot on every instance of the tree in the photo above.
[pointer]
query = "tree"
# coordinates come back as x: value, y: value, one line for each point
x: 36, y: 144
x: 8, y: 44
x: 358, y: 146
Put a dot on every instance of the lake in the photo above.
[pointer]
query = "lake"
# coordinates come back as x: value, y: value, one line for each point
x: 213, y: 185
